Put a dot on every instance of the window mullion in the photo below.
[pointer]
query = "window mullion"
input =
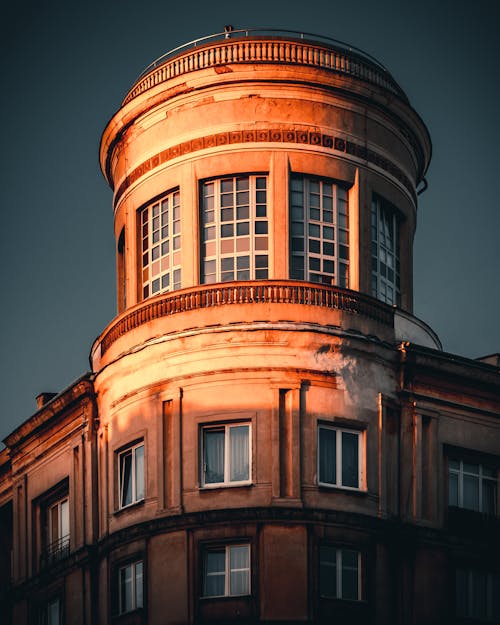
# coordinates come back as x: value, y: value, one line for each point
x: 461, y: 485
x: 480, y: 487
x: 338, y: 556
x: 252, y: 186
x: 132, y: 469
x: 361, y: 476
x: 360, y: 578
x: 227, y: 453
x: 227, y: 572
x: 338, y: 459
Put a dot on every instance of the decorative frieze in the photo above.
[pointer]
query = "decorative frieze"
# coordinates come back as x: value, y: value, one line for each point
x: 267, y: 135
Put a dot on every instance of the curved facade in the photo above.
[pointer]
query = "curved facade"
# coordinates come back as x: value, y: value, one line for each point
x: 267, y: 434
x: 264, y: 192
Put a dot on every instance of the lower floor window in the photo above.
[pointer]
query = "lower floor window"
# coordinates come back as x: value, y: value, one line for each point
x: 51, y: 613
x: 130, y: 582
x: 340, y: 573
x: 478, y: 595
x: 226, y: 571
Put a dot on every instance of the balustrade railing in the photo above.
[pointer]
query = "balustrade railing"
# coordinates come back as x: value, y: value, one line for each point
x: 251, y: 292
x: 55, y: 551
x: 264, y: 46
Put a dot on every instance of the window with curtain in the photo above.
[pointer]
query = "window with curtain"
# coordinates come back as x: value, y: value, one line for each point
x: 225, y: 455
x: 385, y: 251
x: 319, y: 231
x: 51, y: 612
x: 234, y: 229
x: 339, y: 457
x: 477, y: 595
x: 340, y: 573
x: 130, y: 587
x: 226, y: 571
x: 472, y: 485
x: 131, y: 475
x: 160, y: 236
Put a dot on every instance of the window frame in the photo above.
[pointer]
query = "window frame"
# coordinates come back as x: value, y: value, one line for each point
x: 53, y: 548
x: 380, y: 207
x: 212, y: 249
x: 44, y: 614
x: 121, y: 454
x: 465, y: 599
x: 227, y: 569
x: 146, y: 243
x: 121, y: 610
x: 339, y: 224
x: 226, y: 426
x: 460, y: 473
x: 338, y: 428
x: 339, y: 567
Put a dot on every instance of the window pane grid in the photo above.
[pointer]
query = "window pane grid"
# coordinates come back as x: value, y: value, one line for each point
x: 226, y: 455
x: 472, y: 486
x: 161, y: 245
x: 339, y: 457
x: 227, y: 571
x: 385, y: 252
x: 319, y: 231
x: 234, y: 229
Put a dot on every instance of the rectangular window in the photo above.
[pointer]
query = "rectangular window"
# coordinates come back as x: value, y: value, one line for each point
x: 160, y: 237
x: 131, y: 475
x: 385, y: 251
x: 478, y: 595
x: 339, y: 457
x: 226, y: 455
x: 234, y: 229
x: 58, y: 526
x: 226, y: 571
x: 51, y: 613
x: 319, y: 231
x: 472, y: 486
x: 340, y: 573
x: 55, y: 530
x: 130, y: 587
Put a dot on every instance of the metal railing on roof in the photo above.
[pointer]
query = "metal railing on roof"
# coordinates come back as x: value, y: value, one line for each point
x: 230, y: 33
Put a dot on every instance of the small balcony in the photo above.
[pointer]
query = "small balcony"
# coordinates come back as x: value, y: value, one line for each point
x: 269, y: 301
x: 55, y: 552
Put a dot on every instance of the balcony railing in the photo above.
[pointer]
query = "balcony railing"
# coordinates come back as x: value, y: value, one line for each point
x: 258, y: 45
x: 55, y: 551
x: 251, y: 292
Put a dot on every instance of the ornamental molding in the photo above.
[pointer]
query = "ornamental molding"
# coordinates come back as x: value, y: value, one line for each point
x: 336, y: 145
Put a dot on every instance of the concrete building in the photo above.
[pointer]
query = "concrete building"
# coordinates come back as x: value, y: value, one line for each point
x: 267, y: 434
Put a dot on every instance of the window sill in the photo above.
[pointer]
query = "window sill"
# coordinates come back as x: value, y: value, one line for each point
x: 225, y: 597
x: 134, y: 617
x: 212, y: 487
x: 132, y: 506
x: 342, y: 489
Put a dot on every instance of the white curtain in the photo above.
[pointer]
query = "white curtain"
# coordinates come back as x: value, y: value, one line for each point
x: 239, y: 570
x: 238, y: 437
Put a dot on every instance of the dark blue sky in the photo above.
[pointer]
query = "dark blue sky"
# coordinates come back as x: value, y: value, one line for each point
x: 67, y: 65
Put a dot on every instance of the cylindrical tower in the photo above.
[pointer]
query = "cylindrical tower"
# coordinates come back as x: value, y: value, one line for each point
x: 265, y: 196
